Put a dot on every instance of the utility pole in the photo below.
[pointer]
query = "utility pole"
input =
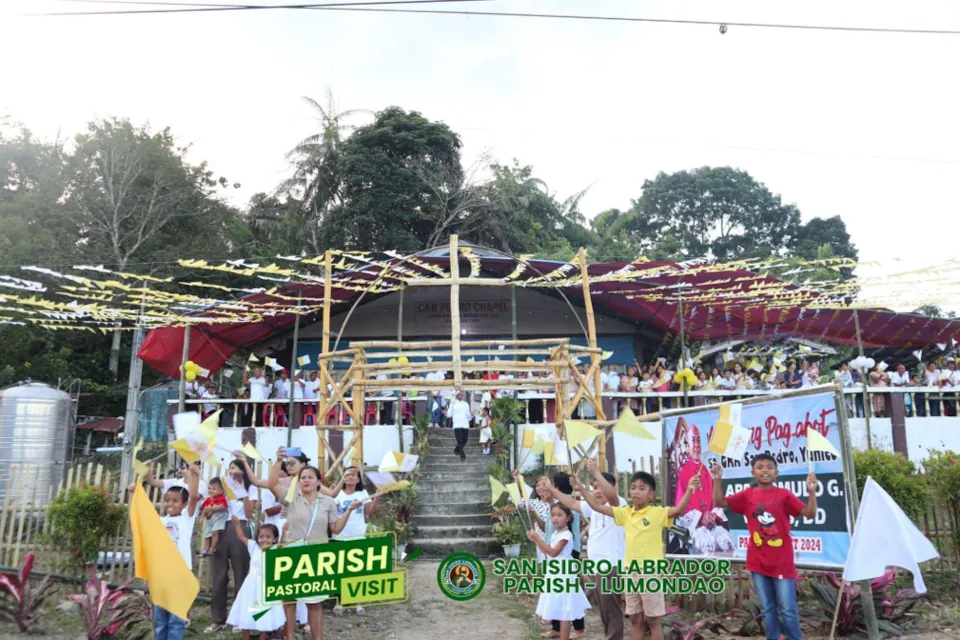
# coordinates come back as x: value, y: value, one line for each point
x: 131, y: 420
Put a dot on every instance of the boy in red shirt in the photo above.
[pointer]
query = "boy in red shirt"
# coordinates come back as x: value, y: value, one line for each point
x: 767, y: 509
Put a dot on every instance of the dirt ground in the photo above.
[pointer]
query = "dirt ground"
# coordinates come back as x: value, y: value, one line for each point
x: 430, y: 614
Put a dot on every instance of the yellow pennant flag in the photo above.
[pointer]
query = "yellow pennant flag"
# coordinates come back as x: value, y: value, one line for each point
x: 184, y: 450
x: 496, y: 490
x: 628, y: 423
x: 173, y: 587
x: 579, y: 432
x: 393, y: 486
x: 514, y: 490
x: 529, y: 436
x: 548, y: 457
x: 251, y: 451
x: 817, y: 442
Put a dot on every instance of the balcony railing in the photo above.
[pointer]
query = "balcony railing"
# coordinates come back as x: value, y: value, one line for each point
x: 382, y: 409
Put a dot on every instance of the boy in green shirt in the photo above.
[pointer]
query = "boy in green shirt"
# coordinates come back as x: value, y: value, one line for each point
x: 643, y: 525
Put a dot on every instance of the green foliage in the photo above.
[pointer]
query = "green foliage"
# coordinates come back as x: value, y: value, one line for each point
x: 394, y: 513
x: 421, y: 435
x: 510, y: 532
x: 897, y: 475
x: 81, y: 519
x: 943, y: 475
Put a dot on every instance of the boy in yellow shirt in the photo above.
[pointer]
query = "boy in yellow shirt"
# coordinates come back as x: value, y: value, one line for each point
x: 643, y: 525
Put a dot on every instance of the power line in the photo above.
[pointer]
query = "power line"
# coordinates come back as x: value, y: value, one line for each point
x: 188, y: 7
x: 360, y: 6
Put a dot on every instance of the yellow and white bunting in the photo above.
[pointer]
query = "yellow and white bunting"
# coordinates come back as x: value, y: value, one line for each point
x: 496, y: 490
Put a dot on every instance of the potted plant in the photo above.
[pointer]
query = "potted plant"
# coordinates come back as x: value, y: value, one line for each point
x: 511, y: 535
x: 508, y: 530
x: 506, y: 412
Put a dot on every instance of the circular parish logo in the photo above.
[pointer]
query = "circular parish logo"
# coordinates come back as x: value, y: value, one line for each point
x: 461, y: 576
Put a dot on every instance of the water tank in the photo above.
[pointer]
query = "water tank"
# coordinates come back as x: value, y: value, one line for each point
x: 36, y: 429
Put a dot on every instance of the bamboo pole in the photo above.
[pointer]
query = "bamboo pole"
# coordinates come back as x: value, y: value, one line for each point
x: 584, y: 389
x: 327, y: 303
x: 358, y: 401
x: 293, y: 377
x: 421, y: 385
x: 171, y: 454
x: 455, y: 308
x: 412, y: 367
x: 592, y: 336
x: 420, y: 346
x: 867, y: 408
x: 342, y: 353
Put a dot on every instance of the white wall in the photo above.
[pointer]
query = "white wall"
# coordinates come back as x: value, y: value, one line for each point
x: 923, y: 434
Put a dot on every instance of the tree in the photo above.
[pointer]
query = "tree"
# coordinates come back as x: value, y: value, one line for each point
x: 315, y: 188
x: 720, y: 213
x: 934, y: 311
x: 387, y: 204
x: 125, y: 188
x: 825, y: 231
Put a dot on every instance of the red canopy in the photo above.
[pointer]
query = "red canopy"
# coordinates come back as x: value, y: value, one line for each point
x: 211, y: 345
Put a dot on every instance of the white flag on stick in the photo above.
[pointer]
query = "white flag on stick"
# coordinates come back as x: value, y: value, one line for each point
x: 885, y: 537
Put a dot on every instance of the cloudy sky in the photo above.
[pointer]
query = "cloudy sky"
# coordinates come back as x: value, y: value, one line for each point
x: 863, y: 125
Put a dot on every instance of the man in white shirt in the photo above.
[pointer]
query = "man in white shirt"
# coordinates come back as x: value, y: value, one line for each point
x: 727, y: 382
x: 210, y: 393
x: 460, y: 415
x: 950, y: 384
x: 610, y: 379
x: 258, y: 391
x: 900, y: 377
x: 281, y: 388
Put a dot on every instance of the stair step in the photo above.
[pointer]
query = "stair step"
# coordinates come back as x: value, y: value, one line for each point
x: 442, y: 547
x: 452, y: 508
x: 433, y: 532
x: 459, y: 475
x: 453, y: 495
x: 452, y: 521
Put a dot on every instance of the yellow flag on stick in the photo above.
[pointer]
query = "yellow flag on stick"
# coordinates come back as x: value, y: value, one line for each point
x: 173, y: 587
x: 514, y: 490
x: 138, y: 467
x: 579, y: 432
x: 817, y: 442
x: 208, y: 428
x: 251, y: 451
x: 538, y: 446
x: 292, y: 491
x: 729, y: 438
x: 529, y: 436
x: 548, y: 457
x: 496, y: 490
x: 628, y: 423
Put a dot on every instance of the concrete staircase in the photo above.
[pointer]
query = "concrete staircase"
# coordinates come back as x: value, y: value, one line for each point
x: 453, y: 513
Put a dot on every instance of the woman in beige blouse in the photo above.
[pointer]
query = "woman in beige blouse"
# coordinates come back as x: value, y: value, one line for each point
x: 309, y: 514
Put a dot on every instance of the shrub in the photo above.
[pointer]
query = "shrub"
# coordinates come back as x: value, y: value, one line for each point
x: 943, y: 474
x: 897, y: 475
x: 894, y: 606
x: 81, y: 519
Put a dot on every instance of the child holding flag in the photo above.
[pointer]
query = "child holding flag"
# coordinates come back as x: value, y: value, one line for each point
x: 643, y: 526
x: 768, y: 509
x: 180, y: 507
x: 248, y: 595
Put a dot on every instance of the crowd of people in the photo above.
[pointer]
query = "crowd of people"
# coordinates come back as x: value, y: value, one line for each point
x: 292, y: 504
x: 608, y: 527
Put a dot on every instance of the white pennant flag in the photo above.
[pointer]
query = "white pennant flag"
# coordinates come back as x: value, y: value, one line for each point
x: 918, y: 354
x: 885, y: 537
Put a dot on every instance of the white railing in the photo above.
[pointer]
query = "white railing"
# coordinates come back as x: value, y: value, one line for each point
x: 539, y: 406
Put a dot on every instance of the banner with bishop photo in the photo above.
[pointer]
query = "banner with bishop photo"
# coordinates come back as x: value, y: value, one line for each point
x: 731, y: 435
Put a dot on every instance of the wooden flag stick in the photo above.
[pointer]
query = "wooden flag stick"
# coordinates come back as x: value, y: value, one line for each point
x: 836, y: 610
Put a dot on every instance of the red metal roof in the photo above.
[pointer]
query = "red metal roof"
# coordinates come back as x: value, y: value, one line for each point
x: 212, y: 345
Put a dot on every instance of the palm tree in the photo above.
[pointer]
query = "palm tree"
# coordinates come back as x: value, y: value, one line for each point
x: 316, y: 182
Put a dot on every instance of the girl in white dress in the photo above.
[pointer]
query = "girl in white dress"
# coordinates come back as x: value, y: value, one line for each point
x: 486, y: 433
x: 245, y: 604
x: 563, y: 607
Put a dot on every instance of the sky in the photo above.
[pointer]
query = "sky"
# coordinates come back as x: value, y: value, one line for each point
x: 861, y: 125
